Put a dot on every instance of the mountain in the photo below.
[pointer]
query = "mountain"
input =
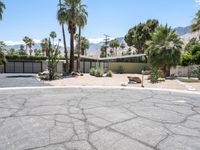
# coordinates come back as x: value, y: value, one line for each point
x: 183, y: 30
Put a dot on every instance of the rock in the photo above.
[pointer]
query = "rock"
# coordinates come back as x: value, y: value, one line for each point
x: 134, y: 79
x: 123, y: 84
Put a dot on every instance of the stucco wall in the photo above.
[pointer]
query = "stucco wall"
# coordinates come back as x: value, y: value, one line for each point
x: 183, y: 71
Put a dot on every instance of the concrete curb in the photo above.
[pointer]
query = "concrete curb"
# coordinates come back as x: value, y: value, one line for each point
x: 100, y: 87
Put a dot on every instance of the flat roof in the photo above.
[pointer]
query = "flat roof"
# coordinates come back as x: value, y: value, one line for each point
x: 111, y: 58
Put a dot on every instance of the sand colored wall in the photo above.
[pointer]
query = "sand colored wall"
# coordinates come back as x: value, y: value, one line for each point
x: 128, y: 67
x: 183, y: 71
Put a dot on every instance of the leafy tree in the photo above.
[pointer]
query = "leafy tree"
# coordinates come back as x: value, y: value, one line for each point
x: 26, y: 41
x: 187, y: 60
x: 196, y: 23
x: 53, y: 35
x: 30, y: 44
x: 21, y: 50
x: 164, y: 50
x: 114, y: 44
x: 38, y: 52
x: 103, y: 51
x: 195, y: 52
x: 140, y: 34
x: 2, y: 53
x: 11, y: 52
x: 2, y: 7
x: 122, y: 46
x: 85, y: 44
x: 44, y: 46
x: 191, y: 43
x: 61, y: 17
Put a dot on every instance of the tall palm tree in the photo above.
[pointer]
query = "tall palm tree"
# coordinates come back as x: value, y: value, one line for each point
x: 26, y: 40
x: 196, y: 22
x: 71, y: 9
x: 2, y: 7
x: 164, y: 50
x: 30, y: 44
x: 61, y: 17
x: 2, y: 54
x: 81, y: 22
x: 44, y: 45
x: 53, y: 35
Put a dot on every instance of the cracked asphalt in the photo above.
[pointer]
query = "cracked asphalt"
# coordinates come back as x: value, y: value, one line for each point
x: 98, y: 119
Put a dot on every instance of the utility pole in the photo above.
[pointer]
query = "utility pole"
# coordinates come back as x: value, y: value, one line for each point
x: 106, y: 41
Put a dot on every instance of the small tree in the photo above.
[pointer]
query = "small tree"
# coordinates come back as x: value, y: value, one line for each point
x: 2, y: 54
x: 21, y: 50
x: 53, y: 59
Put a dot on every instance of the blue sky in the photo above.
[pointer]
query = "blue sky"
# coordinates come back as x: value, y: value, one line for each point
x: 37, y: 18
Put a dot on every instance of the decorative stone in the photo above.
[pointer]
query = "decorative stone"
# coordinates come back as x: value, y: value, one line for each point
x: 134, y: 79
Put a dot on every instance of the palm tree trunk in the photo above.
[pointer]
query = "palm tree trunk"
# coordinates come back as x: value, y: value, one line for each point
x: 71, y: 52
x: 79, y: 50
x: 65, y: 49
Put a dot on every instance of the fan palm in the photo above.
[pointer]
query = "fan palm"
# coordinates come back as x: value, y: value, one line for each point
x: 196, y: 22
x: 61, y: 17
x: 71, y: 9
x: 44, y: 45
x: 2, y: 7
x: 164, y: 50
x: 30, y: 44
x: 53, y: 35
x: 26, y: 40
x: 81, y: 22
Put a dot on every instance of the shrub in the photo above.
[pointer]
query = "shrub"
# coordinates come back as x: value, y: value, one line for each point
x: 154, y: 75
x: 197, y: 72
x: 161, y: 74
x: 92, y: 71
x: 120, y: 70
x: 99, y: 72
x: 109, y: 73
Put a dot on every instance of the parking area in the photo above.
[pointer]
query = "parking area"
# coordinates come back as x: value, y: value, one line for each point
x: 19, y: 80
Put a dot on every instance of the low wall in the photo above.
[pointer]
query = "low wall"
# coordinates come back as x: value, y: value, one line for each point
x: 128, y: 67
x: 181, y: 71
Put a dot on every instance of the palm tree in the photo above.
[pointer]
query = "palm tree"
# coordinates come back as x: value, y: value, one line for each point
x: 71, y: 9
x: 164, y: 50
x: 114, y: 44
x: 30, y: 44
x: 2, y: 7
x: 53, y: 35
x: 44, y: 45
x: 81, y: 22
x: 26, y: 40
x: 61, y: 17
x: 196, y: 23
x: 84, y: 43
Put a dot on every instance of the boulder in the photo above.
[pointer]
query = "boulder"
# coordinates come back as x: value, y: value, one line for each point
x: 135, y: 79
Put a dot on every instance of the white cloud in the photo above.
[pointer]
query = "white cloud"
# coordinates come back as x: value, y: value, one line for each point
x: 97, y: 40
x: 198, y: 2
x: 11, y: 43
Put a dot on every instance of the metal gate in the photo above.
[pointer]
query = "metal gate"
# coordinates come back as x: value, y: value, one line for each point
x: 23, y: 67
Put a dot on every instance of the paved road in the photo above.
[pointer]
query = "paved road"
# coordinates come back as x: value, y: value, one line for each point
x: 98, y: 119
x: 19, y: 80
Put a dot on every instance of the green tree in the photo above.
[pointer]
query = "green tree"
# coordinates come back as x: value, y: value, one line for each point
x: 81, y: 22
x: 11, y: 52
x: 114, y: 44
x: 71, y: 10
x: 61, y: 17
x: 38, y: 52
x: 26, y: 41
x: 30, y: 44
x: 140, y: 34
x: 187, y: 61
x: 191, y: 43
x: 164, y: 50
x: 103, y: 51
x: 44, y: 46
x: 122, y: 46
x: 85, y: 44
x: 2, y: 53
x: 2, y: 7
x: 53, y: 35
x: 21, y: 50
x: 196, y: 23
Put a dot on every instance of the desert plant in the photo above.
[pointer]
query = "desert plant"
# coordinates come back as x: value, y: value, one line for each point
x: 154, y: 75
x: 99, y: 72
x: 120, y: 70
x: 92, y: 71
x: 109, y: 73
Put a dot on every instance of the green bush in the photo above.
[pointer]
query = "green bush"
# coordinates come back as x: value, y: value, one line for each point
x: 197, y: 72
x: 109, y: 73
x: 154, y: 75
x: 24, y: 57
x: 99, y: 72
x: 120, y: 70
x: 92, y: 71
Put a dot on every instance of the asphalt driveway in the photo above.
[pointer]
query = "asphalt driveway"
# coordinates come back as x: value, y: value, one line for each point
x: 19, y: 80
x: 98, y: 119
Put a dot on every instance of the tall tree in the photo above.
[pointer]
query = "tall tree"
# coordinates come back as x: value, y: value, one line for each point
x: 71, y: 10
x: 30, y: 44
x: 114, y: 44
x: 44, y: 46
x: 85, y: 44
x: 26, y: 40
x: 53, y: 35
x: 2, y: 7
x: 140, y: 34
x: 81, y: 22
x: 103, y: 51
x: 61, y: 17
x: 164, y: 50
x: 21, y: 50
